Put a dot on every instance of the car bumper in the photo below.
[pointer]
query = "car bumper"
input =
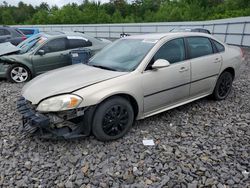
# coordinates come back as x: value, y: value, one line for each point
x: 45, y: 125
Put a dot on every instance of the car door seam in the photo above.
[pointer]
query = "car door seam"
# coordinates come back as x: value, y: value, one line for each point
x: 179, y: 86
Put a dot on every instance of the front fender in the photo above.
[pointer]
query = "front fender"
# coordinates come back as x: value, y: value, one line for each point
x: 18, y: 59
x: 129, y: 84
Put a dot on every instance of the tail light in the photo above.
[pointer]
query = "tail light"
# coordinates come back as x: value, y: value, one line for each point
x: 24, y: 37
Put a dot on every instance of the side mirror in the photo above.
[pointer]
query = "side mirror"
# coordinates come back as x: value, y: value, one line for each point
x: 41, y: 52
x: 160, y: 63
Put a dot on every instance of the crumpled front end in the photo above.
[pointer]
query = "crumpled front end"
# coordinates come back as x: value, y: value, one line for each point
x: 65, y: 124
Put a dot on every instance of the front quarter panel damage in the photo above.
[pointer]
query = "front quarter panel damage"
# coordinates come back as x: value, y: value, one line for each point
x: 65, y: 124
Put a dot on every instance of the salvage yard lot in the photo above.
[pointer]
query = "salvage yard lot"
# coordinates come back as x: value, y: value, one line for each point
x: 202, y: 143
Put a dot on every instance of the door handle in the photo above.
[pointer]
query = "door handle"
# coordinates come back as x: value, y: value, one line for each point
x: 183, y: 69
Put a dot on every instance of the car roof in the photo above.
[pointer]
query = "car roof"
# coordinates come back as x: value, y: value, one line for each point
x: 158, y: 36
x: 62, y: 34
x: 4, y: 26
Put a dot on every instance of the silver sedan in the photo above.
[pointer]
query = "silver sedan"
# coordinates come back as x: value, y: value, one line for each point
x: 133, y: 78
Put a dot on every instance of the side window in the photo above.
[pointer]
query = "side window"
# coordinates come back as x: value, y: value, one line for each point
x: 199, y: 46
x: 173, y: 51
x: 55, y: 45
x: 78, y: 43
x: 1, y: 32
x: 4, y: 32
x: 219, y: 46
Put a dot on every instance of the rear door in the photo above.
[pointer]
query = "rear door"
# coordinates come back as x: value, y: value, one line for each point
x: 56, y: 56
x: 205, y: 64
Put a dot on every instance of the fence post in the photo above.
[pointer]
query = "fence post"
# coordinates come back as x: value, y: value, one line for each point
x: 225, y: 40
x: 243, y: 34
x: 109, y: 30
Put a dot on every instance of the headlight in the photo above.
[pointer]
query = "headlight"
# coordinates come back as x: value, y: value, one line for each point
x: 59, y: 103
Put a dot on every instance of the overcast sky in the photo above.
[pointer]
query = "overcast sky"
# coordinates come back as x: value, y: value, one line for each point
x: 50, y: 2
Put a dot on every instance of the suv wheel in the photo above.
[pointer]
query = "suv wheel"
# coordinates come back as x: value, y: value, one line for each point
x: 18, y: 73
x: 113, y: 119
x: 223, y: 86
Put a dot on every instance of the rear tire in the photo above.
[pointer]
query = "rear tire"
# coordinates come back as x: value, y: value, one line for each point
x: 223, y: 86
x: 18, y: 73
x: 113, y: 119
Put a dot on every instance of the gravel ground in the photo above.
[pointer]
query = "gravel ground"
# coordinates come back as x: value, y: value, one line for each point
x: 202, y: 144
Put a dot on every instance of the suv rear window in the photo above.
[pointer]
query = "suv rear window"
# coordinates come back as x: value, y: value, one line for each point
x: 27, y: 31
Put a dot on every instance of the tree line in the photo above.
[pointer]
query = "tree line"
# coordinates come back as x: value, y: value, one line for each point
x: 121, y: 11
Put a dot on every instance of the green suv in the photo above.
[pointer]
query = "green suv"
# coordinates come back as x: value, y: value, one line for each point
x: 43, y: 52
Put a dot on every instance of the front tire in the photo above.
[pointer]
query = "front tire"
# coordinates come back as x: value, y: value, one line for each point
x: 18, y: 73
x: 113, y: 119
x: 223, y: 86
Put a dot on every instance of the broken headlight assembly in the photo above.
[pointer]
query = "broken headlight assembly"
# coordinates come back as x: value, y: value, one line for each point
x: 59, y: 103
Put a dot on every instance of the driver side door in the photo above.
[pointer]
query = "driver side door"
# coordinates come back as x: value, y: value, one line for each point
x: 170, y: 85
x: 56, y: 56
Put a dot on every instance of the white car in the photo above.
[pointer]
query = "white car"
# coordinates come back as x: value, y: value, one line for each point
x: 133, y: 78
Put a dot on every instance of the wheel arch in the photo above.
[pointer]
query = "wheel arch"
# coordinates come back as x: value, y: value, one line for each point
x: 230, y: 70
x: 18, y: 63
x: 131, y: 99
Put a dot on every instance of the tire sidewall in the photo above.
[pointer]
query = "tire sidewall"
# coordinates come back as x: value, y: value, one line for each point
x: 216, y: 90
x: 11, y: 67
x: 97, y: 128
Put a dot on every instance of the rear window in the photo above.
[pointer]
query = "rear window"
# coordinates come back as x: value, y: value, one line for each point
x: 27, y: 31
x: 199, y: 46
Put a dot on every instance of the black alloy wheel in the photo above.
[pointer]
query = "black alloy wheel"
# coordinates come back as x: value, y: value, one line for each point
x: 223, y: 86
x: 113, y: 119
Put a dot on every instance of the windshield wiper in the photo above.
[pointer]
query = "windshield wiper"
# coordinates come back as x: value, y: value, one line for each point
x: 103, y: 67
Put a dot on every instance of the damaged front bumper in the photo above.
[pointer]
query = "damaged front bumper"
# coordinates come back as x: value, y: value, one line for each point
x: 66, y: 124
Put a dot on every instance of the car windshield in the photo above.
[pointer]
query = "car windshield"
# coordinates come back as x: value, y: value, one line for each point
x: 31, y: 43
x: 123, y: 55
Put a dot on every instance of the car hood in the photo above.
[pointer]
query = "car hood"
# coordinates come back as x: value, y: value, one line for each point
x: 65, y: 80
x: 8, y: 48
